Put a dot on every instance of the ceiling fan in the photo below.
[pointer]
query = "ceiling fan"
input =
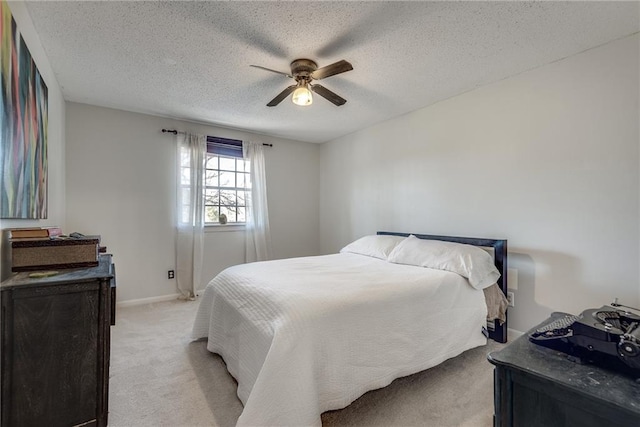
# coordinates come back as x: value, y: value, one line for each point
x: 304, y: 71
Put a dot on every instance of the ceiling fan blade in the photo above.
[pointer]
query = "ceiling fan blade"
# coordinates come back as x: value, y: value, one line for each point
x: 282, y: 95
x: 326, y: 93
x: 332, y: 70
x: 273, y: 71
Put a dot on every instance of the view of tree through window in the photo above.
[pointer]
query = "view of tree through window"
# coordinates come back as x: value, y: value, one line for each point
x: 227, y: 185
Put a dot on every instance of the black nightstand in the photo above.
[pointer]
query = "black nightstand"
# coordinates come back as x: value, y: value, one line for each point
x: 537, y: 386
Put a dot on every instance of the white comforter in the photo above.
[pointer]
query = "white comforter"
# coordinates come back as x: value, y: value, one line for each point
x: 306, y: 335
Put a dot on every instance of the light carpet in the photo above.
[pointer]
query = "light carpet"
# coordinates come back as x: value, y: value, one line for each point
x: 159, y: 377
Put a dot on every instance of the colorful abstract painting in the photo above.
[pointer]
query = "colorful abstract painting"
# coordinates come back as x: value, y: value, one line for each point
x: 23, y: 120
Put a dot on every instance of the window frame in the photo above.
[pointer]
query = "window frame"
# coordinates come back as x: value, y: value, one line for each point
x: 241, y: 168
x: 227, y: 148
x: 223, y: 148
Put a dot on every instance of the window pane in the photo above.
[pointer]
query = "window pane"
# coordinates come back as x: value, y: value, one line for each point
x: 243, y: 179
x: 242, y: 217
x: 227, y: 179
x: 230, y: 212
x: 211, y: 214
x: 211, y: 197
x: 211, y: 178
x: 186, y: 179
x: 244, y: 165
x: 228, y: 163
x: 227, y: 197
x: 184, y: 157
x: 240, y: 198
x: 185, y: 195
x: 211, y: 162
x: 185, y: 213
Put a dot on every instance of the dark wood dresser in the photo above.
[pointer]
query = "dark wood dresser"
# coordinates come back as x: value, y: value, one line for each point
x: 55, y: 347
x: 538, y: 386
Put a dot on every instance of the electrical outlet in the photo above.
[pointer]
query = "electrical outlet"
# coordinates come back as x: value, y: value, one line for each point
x: 171, y: 274
x: 511, y: 298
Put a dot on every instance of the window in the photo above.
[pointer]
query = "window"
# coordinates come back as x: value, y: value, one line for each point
x: 227, y: 183
x: 226, y: 188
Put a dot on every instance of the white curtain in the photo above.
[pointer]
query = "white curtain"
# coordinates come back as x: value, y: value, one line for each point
x: 191, y: 151
x: 258, y: 235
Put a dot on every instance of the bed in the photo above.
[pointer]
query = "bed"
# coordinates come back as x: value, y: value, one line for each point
x: 306, y: 335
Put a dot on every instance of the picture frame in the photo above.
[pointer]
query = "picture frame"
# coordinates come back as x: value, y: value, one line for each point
x: 24, y: 126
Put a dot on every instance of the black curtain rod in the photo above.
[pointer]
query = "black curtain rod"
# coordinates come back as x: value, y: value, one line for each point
x: 175, y: 132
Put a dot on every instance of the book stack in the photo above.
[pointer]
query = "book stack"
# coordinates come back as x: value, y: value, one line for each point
x: 46, y: 248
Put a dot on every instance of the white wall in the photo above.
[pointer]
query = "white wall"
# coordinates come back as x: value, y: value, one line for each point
x: 56, y: 132
x: 120, y: 184
x: 548, y: 159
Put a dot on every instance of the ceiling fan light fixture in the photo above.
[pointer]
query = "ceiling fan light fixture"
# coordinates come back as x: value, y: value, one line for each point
x: 302, y: 95
x: 305, y: 71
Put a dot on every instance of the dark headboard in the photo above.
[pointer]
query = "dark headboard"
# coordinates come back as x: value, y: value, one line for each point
x: 497, y: 332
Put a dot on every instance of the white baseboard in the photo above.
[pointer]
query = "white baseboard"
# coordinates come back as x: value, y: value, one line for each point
x: 141, y: 301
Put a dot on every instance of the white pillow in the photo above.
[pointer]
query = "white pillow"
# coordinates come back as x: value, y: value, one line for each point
x: 374, y: 246
x: 468, y: 261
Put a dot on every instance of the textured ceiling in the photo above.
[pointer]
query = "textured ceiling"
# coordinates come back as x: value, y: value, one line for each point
x: 190, y: 60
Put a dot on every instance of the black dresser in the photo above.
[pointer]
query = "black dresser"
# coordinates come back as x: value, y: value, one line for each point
x: 538, y: 386
x: 55, y: 347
